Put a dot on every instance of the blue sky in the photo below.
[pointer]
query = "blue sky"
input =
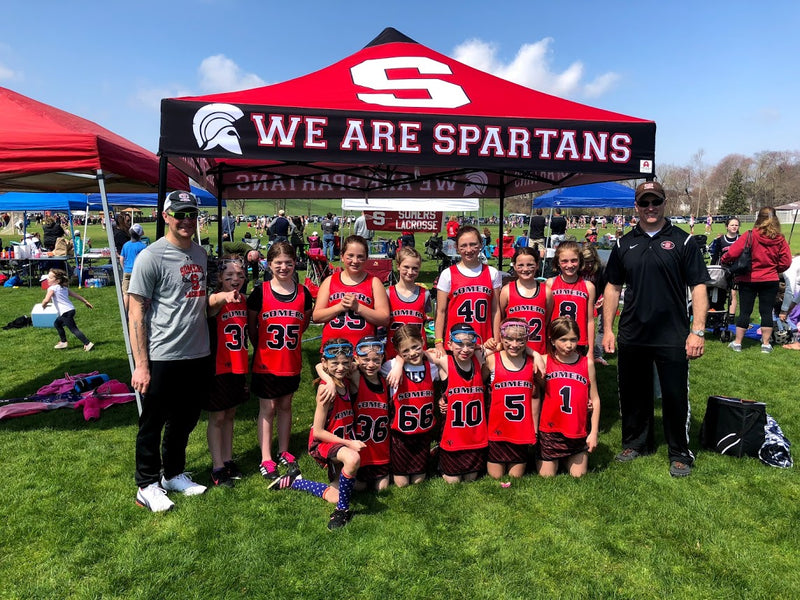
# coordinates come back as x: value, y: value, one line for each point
x: 718, y: 77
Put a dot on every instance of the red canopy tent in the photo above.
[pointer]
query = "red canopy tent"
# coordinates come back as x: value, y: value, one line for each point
x: 397, y: 119
x: 44, y: 149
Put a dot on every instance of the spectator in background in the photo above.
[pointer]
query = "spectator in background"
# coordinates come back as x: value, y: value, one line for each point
x: 329, y: 229
x: 52, y: 230
x: 536, y: 229
x: 120, y: 229
x: 771, y: 257
x: 228, y: 227
x: 279, y: 228
x: 558, y: 228
x: 360, y: 227
x: 127, y: 256
x: 452, y: 228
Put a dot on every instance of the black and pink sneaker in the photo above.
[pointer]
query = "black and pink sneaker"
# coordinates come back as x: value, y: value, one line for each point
x: 290, y: 463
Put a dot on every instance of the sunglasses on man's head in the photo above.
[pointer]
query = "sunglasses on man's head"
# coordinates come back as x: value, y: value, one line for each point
x: 183, y: 214
x: 646, y: 203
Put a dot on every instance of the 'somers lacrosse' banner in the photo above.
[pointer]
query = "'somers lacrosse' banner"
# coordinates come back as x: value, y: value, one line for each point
x: 385, y: 220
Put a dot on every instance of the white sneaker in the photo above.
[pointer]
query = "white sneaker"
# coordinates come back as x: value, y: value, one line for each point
x: 735, y: 347
x: 154, y: 497
x: 60, y: 345
x: 183, y: 484
x: 88, y: 347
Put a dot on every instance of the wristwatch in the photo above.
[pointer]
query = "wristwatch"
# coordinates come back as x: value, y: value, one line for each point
x: 699, y: 332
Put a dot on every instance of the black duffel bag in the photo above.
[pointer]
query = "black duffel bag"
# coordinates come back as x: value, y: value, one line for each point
x: 733, y: 426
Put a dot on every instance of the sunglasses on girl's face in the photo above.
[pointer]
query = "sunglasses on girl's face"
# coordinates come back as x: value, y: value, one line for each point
x: 183, y: 214
x: 238, y: 262
x: 646, y: 203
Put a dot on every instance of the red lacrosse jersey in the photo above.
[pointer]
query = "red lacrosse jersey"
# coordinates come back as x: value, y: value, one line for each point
x: 412, y: 402
x: 372, y: 421
x: 280, y: 329
x: 565, y: 408
x: 349, y: 325
x: 470, y: 301
x: 340, y: 418
x: 572, y: 300
x: 510, y: 411
x: 531, y: 310
x: 465, y: 425
x: 232, y: 354
x: 405, y: 313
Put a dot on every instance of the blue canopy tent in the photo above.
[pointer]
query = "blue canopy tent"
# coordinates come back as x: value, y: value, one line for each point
x: 595, y: 195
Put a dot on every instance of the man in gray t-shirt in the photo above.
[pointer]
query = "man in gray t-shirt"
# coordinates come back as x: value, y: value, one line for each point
x: 170, y: 345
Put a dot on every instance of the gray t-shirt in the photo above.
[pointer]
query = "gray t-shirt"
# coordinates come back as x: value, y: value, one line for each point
x: 175, y: 281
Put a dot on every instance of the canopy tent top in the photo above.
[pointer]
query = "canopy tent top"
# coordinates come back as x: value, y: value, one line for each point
x: 398, y: 120
x: 596, y: 195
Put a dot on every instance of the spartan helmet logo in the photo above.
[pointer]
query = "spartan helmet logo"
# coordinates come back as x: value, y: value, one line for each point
x: 477, y: 183
x: 213, y: 126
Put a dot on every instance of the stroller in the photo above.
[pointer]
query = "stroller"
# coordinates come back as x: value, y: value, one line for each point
x: 719, y: 289
x: 702, y: 243
x: 433, y: 246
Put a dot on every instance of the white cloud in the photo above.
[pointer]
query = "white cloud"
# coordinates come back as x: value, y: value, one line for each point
x: 215, y: 74
x: 219, y: 73
x: 532, y: 68
x: 8, y: 74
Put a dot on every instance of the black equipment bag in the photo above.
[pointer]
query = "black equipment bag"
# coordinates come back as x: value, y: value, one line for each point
x: 733, y: 426
x: 743, y: 264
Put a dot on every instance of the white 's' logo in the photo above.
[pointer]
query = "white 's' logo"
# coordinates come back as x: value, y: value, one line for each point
x: 213, y: 126
x: 477, y: 183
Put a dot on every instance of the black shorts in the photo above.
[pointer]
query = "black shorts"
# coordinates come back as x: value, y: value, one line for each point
x: 372, y: 473
x: 227, y: 391
x: 410, y: 453
x: 461, y: 462
x: 266, y: 385
x: 555, y: 446
x: 506, y: 453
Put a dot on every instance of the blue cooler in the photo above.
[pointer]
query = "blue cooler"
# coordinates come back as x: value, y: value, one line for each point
x: 43, y: 317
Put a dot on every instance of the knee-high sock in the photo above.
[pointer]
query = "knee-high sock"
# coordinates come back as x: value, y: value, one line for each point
x: 312, y: 487
x: 345, y: 489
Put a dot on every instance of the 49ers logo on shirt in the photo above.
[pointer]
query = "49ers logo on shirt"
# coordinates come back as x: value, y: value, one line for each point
x: 667, y: 245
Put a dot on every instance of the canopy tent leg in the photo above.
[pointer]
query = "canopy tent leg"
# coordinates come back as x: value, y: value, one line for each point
x: 83, y: 246
x: 162, y: 195
x: 117, y: 279
x: 502, y: 224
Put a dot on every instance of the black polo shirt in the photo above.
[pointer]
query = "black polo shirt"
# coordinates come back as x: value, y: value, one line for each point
x: 657, y: 273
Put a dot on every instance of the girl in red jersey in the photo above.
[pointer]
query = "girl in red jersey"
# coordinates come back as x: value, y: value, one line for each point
x: 570, y: 397
x: 514, y: 402
x: 351, y: 303
x: 569, y: 295
x: 412, y: 416
x: 462, y: 450
x: 467, y: 292
x: 524, y: 298
x: 227, y: 315
x: 408, y: 302
x: 331, y: 440
x: 372, y: 415
x: 278, y: 312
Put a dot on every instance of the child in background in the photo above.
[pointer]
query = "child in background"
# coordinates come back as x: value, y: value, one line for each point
x: 331, y: 440
x: 127, y: 256
x: 409, y: 303
x: 59, y: 293
x: 278, y: 312
x: 410, y: 376
x: 569, y: 295
x: 514, y: 404
x: 524, y: 298
x: 351, y: 303
x: 227, y: 312
x: 570, y: 397
x: 594, y: 271
x: 372, y: 415
x: 462, y: 450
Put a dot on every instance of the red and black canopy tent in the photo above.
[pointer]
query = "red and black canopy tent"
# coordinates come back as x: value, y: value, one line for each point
x: 397, y: 119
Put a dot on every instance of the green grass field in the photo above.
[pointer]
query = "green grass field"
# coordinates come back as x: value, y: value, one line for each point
x: 70, y: 528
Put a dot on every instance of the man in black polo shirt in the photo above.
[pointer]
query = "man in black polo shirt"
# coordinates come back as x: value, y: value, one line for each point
x: 658, y: 263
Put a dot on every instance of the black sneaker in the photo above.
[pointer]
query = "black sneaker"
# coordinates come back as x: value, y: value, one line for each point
x: 282, y: 483
x: 233, y: 470
x: 269, y: 471
x: 627, y: 455
x: 290, y: 463
x: 339, y: 518
x: 221, y: 477
x: 679, y: 469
